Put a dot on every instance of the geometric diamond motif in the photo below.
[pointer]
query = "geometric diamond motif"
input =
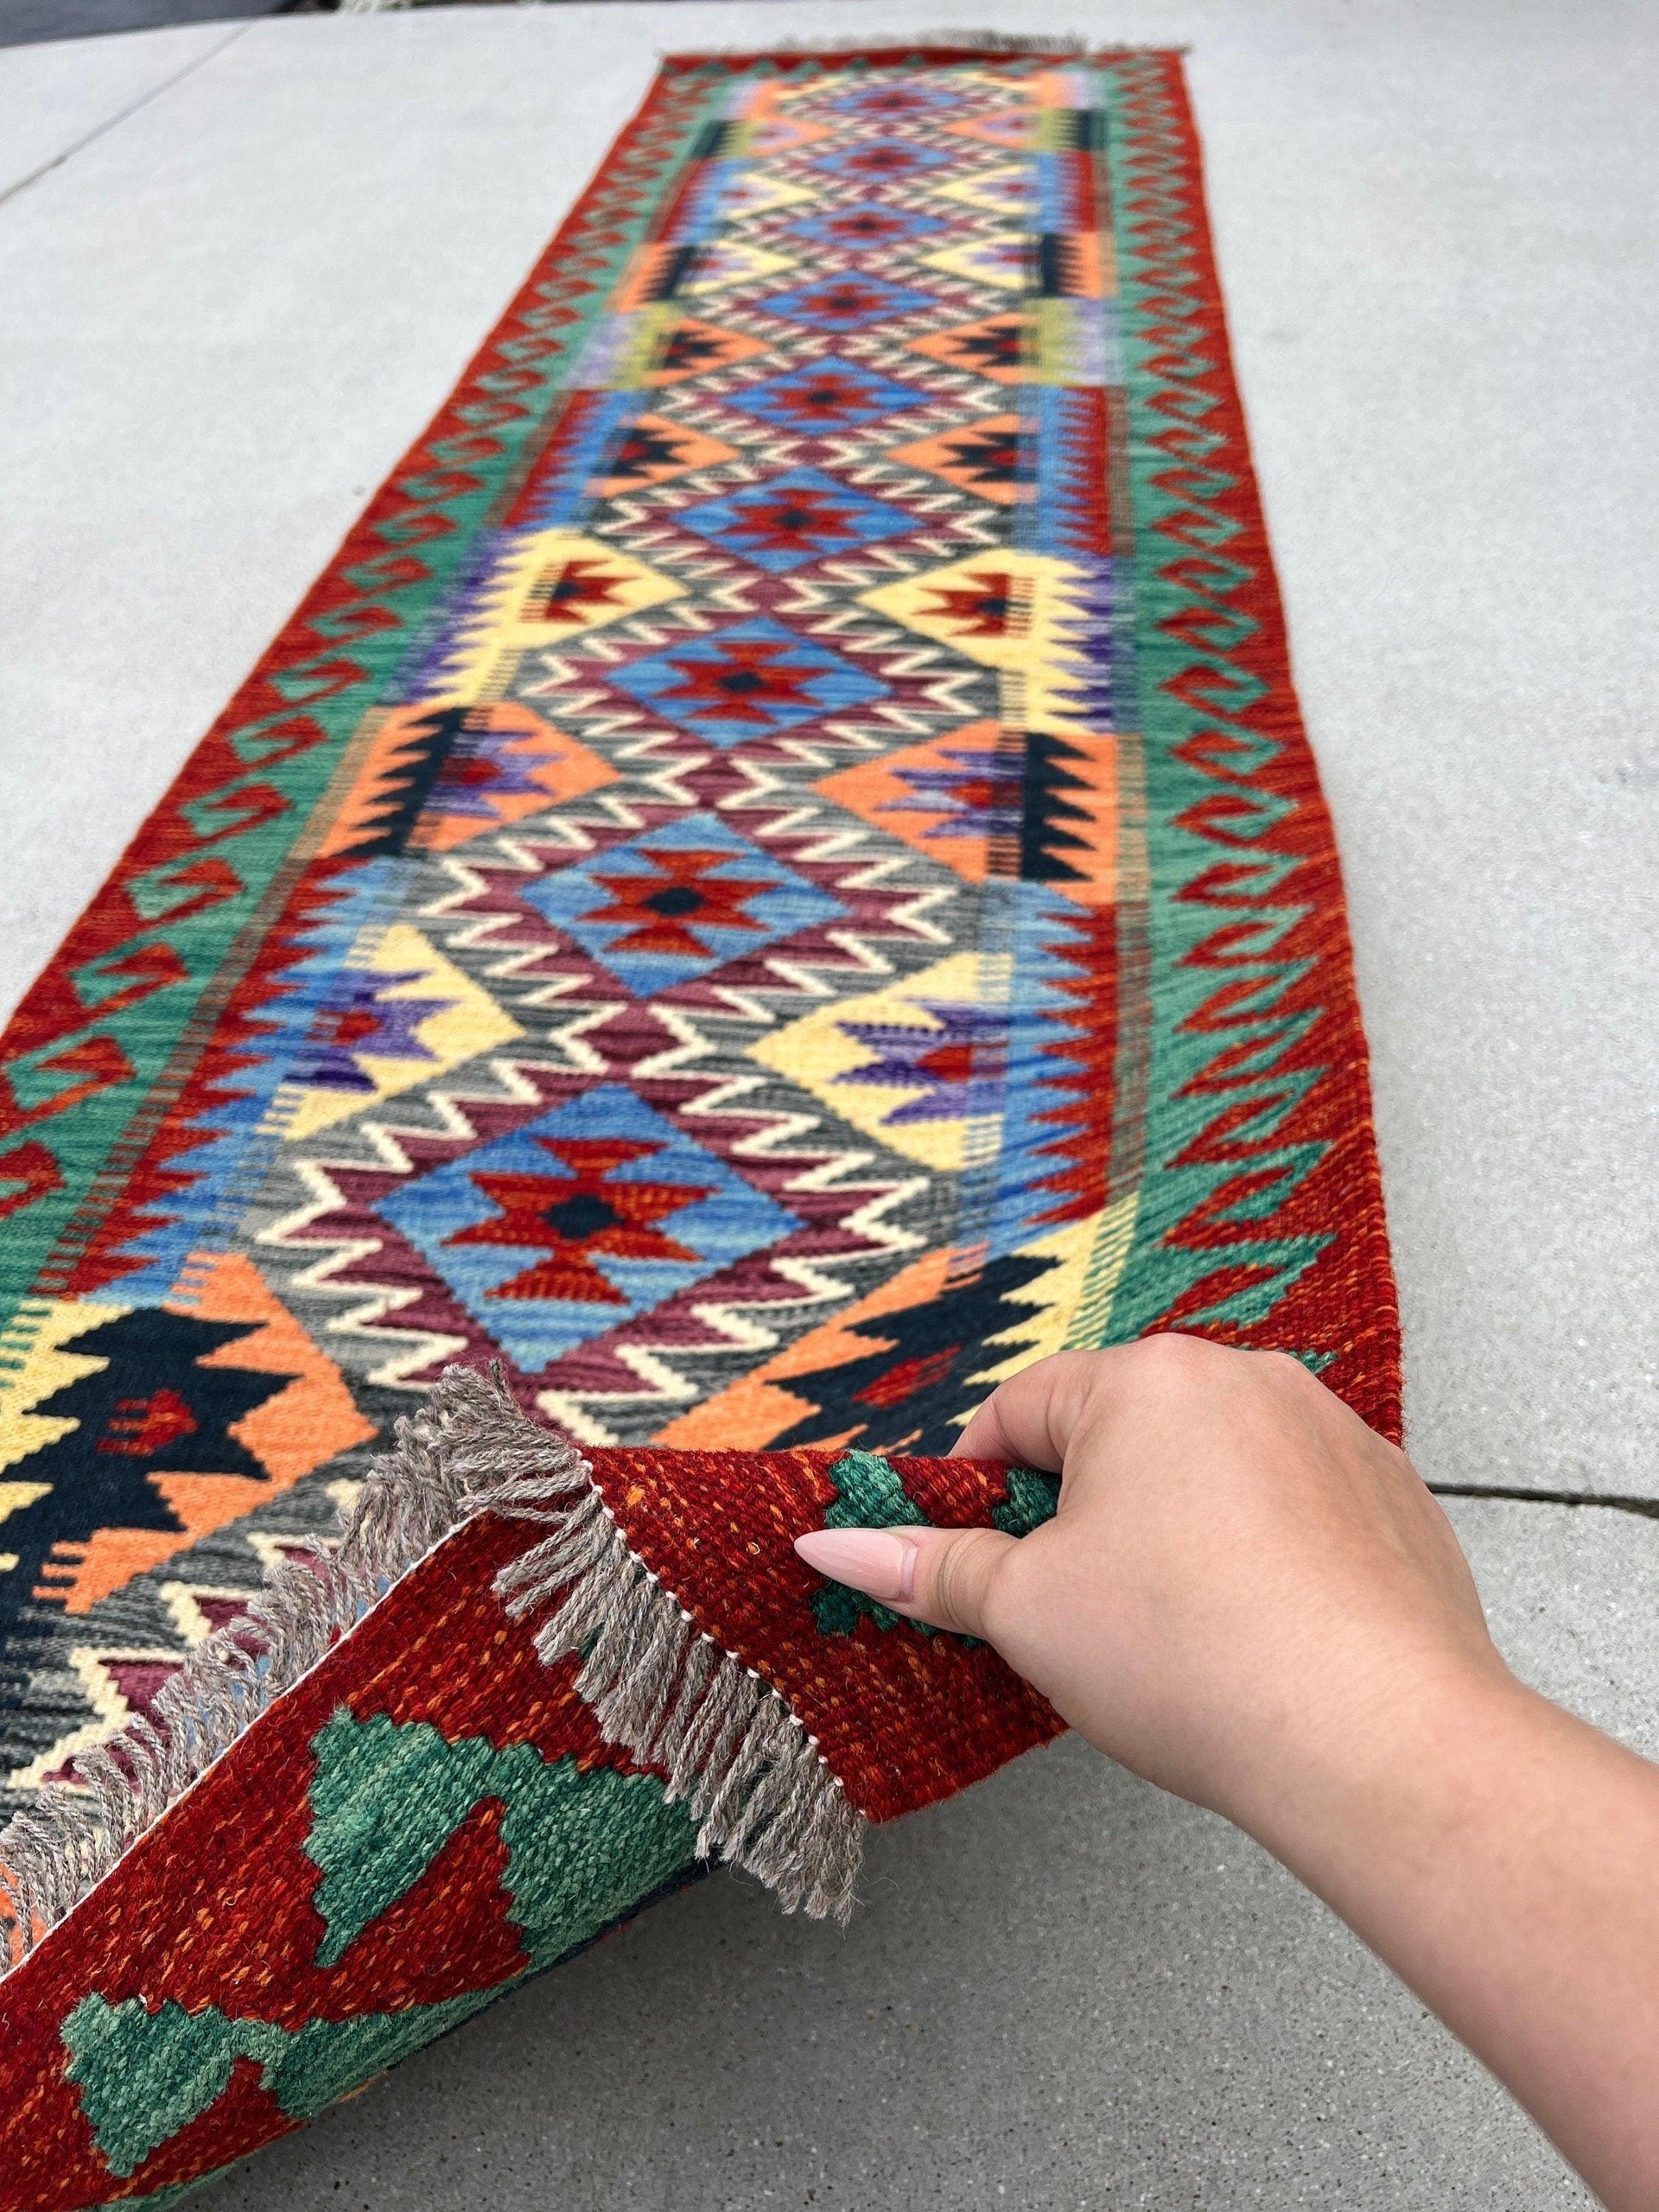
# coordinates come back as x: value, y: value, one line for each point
x: 864, y: 229
x: 885, y: 101
x: 881, y: 161
x: 790, y: 520
x: 580, y: 1220
x: 826, y: 396
x: 747, y: 682
x: 685, y: 898
x: 851, y: 301
x: 574, y: 1216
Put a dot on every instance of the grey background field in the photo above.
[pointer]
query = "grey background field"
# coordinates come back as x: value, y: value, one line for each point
x: 243, y: 261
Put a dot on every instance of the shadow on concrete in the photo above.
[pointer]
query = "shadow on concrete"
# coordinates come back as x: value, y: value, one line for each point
x: 29, y: 22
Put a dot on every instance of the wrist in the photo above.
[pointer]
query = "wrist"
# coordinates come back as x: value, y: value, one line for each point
x: 1381, y: 1782
x: 1496, y: 1852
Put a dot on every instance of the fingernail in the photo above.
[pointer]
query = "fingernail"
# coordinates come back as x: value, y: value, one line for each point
x: 875, y: 1560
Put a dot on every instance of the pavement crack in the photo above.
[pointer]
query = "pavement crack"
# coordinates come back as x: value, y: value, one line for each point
x: 1648, y: 1508
x: 197, y: 62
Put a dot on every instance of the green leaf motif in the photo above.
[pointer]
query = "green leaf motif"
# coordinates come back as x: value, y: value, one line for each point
x: 869, y: 1495
x: 582, y: 1851
x: 582, y: 1848
x: 144, y: 2076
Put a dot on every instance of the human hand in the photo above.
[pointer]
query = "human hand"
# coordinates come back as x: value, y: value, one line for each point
x: 1249, y: 1597
x: 1239, y: 1572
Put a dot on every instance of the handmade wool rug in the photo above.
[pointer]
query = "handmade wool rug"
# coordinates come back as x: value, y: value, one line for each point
x: 776, y: 879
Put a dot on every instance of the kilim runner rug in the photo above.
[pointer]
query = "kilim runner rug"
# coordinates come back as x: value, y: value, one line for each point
x: 776, y: 879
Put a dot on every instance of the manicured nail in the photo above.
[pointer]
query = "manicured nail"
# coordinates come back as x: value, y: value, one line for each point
x: 878, y: 1561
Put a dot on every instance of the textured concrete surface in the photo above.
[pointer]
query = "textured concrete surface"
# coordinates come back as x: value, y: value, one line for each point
x: 226, y: 316
x: 25, y: 23
x: 56, y: 102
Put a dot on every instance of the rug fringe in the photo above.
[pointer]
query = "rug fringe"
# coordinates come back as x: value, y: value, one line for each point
x: 1065, y: 45
x: 732, y: 1750
x: 763, y: 1794
x: 55, y: 1854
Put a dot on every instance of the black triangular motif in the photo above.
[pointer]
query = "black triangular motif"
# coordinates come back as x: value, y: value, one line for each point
x: 1046, y: 832
x: 152, y: 1409
x: 911, y: 1395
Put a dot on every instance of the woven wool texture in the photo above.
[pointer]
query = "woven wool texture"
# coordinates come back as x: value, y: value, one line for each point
x: 776, y: 879
x: 431, y: 1814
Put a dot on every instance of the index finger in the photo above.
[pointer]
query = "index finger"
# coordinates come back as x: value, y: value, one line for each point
x: 1028, y: 1421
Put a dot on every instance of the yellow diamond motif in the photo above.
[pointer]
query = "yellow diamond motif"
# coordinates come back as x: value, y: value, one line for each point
x: 831, y: 1048
x: 463, y: 1021
x: 549, y: 586
x: 1001, y: 191
x: 1012, y: 611
x: 41, y: 1361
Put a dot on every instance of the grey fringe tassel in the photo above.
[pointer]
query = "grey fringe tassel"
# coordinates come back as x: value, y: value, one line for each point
x: 1063, y: 45
x: 762, y: 1792
x: 982, y: 41
x: 55, y: 1854
x: 766, y: 1799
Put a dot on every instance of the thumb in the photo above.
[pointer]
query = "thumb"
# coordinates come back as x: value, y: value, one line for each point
x: 942, y: 1576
